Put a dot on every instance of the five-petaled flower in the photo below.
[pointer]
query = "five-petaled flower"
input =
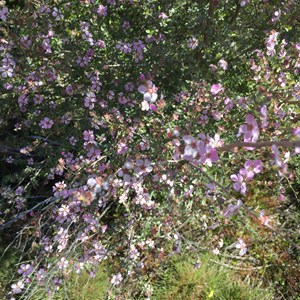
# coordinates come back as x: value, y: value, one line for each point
x: 46, y: 123
x: 252, y: 167
x: 192, y: 43
x: 17, y: 287
x: 149, y: 91
x: 216, y: 88
x: 239, y: 183
x: 116, y: 279
x: 250, y: 129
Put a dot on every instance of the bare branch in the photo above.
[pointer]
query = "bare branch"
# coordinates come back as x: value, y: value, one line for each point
x: 24, y: 213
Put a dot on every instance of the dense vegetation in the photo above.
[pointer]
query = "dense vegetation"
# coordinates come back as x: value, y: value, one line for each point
x: 134, y: 133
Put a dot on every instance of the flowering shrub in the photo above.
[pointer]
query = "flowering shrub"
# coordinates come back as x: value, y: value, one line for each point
x: 130, y: 140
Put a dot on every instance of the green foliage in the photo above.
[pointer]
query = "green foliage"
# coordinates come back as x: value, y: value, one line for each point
x: 8, y: 260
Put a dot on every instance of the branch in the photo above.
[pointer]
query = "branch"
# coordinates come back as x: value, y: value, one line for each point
x: 37, y: 137
x: 239, y: 144
x: 24, y: 213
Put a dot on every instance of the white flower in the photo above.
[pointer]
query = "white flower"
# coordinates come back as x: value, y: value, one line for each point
x: 242, y: 246
x: 116, y: 279
x: 63, y: 263
x: 17, y: 287
x: 192, y: 43
x: 91, y: 182
x: 149, y: 90
x: 145, y: 105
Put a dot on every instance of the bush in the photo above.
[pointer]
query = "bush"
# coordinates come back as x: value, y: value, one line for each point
x: 129, y: 141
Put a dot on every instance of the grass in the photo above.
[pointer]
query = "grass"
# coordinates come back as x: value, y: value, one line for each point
x: 210, y: 281
x: 86, y: 288
x: 178, y: 279
x: 80, y: 287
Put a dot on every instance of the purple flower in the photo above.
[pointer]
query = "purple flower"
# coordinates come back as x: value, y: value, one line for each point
x: 3, y: 13
x: 282, y: 166
x: 88, y: 135
x: 271, y: 42
x: 239, y: 183
x: 232, y: 209
x: 126, y: 25
x: 102, y: 10
x: 89, y: 100
x: 138, y: 46
x: 296, y: 132
x: 244, y: 2
x: 46, y: 123
x: 124, y: 47
x: 264, y: 111
x: 122, y: 148
x: 153, y: 107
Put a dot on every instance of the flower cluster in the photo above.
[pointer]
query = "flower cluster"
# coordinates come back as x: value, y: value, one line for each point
x: 198, y: 151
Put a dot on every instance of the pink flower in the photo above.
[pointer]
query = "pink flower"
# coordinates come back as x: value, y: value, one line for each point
x: 163, y: 16
x: 252, y: 167
x: 216, y: 88
x: 223, y: 64
x: 250, y: 130
x: 282, y: 166
x: 263, y: 219
x: 208, y: 155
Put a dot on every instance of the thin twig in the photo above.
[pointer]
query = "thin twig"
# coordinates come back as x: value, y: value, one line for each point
x: 237, y: 268
x: 239, y: 144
